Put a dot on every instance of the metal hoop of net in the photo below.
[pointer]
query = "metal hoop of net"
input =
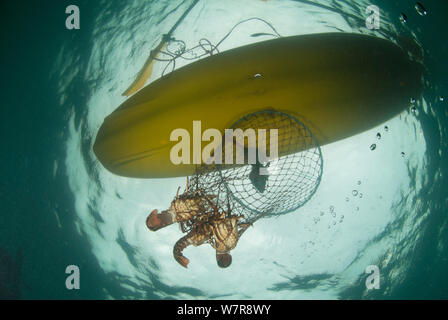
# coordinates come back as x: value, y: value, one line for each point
x: 271, y: 188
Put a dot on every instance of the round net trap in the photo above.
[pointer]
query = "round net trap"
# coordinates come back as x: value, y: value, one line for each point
x: 263, y: 185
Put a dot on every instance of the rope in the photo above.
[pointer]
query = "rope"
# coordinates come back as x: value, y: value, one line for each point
x: 206, y: 47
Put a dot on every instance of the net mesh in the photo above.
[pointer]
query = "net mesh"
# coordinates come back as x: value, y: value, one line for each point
x: 264, y: 188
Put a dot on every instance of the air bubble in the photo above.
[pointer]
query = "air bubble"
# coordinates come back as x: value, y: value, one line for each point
x: 403, y: 18
x: 355, y: 193
x: 420, y: 9
x: 373, y: 147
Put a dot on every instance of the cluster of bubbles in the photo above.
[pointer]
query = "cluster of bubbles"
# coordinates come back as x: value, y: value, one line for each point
x: 420, y: 10
x: 332, y: 209
x: 356, y: 193
x: 309, y: 247
x: 336, y: 219
x: 413, y: 106
x: 378, y: 137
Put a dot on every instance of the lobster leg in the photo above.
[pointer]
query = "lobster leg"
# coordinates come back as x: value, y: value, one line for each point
x: 244, y: 226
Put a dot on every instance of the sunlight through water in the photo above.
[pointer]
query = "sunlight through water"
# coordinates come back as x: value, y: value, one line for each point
x: 366, y: 211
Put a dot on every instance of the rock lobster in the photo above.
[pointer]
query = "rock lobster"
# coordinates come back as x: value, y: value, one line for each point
x: 203, y: 221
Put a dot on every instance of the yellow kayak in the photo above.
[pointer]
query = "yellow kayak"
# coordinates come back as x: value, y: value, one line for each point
x: 337, y: 84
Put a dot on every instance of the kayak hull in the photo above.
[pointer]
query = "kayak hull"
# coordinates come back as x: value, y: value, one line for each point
x: 337, y: 84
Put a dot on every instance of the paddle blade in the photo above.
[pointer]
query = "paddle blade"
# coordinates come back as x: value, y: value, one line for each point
x: 145, y: 72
